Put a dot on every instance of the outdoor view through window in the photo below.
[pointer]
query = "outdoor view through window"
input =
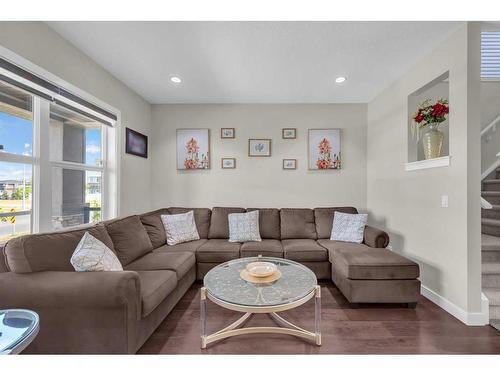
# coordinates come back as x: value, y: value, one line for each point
x: 16, y: 138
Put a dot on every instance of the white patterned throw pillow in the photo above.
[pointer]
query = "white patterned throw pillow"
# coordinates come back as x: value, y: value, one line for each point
x: 348, y: 227
x: 92, y: 255
x: 244, y: 227
x: 180, y: 228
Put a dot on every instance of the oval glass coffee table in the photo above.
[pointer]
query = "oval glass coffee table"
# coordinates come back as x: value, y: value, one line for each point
x: 18, y: 328
x: 224, y: 286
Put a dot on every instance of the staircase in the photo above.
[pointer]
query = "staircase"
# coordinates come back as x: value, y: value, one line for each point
x: 490, y: 245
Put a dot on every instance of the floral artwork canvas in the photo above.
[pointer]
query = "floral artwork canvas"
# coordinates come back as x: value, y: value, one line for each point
x: 193, y: 147
x: 324, y: 149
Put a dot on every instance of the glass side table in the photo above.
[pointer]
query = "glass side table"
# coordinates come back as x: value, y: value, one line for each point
x: 18, y: 328
x: 224, y: 286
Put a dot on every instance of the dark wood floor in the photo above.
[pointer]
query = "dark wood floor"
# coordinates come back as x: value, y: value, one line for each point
x: 370, y: 329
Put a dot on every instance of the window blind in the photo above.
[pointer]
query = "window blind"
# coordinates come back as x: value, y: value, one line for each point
x: 490, y: 54
x: 55, y: 90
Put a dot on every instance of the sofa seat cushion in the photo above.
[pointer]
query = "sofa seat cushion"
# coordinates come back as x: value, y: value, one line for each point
x: 190, y: 246
x: 297, y: 223
x: 130, y: 238
x: 180, y: 262
x: 269, y: 222
x: 267, y: 248
x: 360, y: 262
x: 218, y: 250
x: 155, y: 287
x: 304, y: 250
x: 154, y: 226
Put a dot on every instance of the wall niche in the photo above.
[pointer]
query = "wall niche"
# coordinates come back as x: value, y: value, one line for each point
x: 433, y: 91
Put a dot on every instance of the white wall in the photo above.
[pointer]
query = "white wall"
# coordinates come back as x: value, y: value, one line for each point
x: 39, y: 44
x: 259, y: 182
x: 444, y: 241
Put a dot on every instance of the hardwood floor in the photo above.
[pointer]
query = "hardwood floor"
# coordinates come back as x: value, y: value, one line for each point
x: 370, y: 329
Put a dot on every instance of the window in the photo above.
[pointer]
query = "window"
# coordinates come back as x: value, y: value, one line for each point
x: 76, y: 156
x: 16, y: 161
x: 490, y: 55
x: 58, y: 156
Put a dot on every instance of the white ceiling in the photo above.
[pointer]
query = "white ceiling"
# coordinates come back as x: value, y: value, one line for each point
x: 256, y: 62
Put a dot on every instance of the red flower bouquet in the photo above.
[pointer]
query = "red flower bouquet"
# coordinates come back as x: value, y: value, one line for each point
x: 429, y: 113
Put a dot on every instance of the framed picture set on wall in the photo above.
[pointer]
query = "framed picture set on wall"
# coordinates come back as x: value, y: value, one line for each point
x: 136, y: 143
x: 259, y: 147
x: 324, y: 149
x: 193, y: 149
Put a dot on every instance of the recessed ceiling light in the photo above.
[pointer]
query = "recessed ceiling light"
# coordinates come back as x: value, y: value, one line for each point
x: 340, y: 79
x: 175, y: 79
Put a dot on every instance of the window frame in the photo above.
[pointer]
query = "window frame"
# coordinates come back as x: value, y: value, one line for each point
x: 41, y: 205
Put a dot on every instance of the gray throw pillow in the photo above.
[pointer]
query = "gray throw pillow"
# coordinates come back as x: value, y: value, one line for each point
x: 244, y: 227
x: 348, y: 227
x: 180, y: 228
x: 93, y: 255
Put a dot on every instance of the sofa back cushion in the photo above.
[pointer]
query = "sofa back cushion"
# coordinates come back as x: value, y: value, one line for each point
x: 130, y: 238
x: 3, y: 260
x: 201, y: 218
x: 297, y: 223
x: 49, y: 251
x: 269, y: 222
x: 154, y: 226
x: 219, y: 224
x: 323, y: 217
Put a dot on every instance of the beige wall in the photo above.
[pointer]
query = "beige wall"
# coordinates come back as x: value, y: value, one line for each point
x: 444, y: 241
x: 39, y: 44
x: 259, y: 181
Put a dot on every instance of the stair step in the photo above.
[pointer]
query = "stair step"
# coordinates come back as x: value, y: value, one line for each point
x: 490, y: 280
x: 490, y: 256
x: 490, y: 226
x: 495, y: 324
x: 491, y: 196
x: 493, y: 295
x: 490, y: 242
x: 491, y: 213
x: 491, y: 185
x: 489, y: 268
x: 494, y: 312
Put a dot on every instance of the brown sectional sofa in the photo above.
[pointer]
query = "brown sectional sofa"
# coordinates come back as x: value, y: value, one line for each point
x: 115, y: 312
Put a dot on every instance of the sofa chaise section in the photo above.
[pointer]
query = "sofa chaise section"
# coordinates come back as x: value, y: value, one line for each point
x: 372, y: 275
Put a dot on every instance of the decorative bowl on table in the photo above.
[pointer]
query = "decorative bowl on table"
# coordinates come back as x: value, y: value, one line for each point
x: 261, y: 269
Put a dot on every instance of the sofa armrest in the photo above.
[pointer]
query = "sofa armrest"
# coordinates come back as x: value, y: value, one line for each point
x: 80, y: 312
x: 375, y: 237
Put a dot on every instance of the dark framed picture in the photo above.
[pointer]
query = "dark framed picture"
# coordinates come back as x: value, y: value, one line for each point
x: 227, y: 133
x: 228, y: 163
x: 136, y: 143
x: 289, y: 133
x: 289, y: 163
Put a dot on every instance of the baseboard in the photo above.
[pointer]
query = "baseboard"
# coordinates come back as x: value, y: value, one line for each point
x: 469, y: 318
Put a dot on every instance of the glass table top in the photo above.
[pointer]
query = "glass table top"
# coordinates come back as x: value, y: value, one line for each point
x: 224, y: 283
x: 16, y: 327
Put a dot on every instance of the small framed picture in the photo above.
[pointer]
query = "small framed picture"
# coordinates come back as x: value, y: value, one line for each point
x: 289, y: 133
x: 136, y: 143
x: 259, y: 147
x: 227, y: 133
x: 228, y: 163
x: 289, y: 163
